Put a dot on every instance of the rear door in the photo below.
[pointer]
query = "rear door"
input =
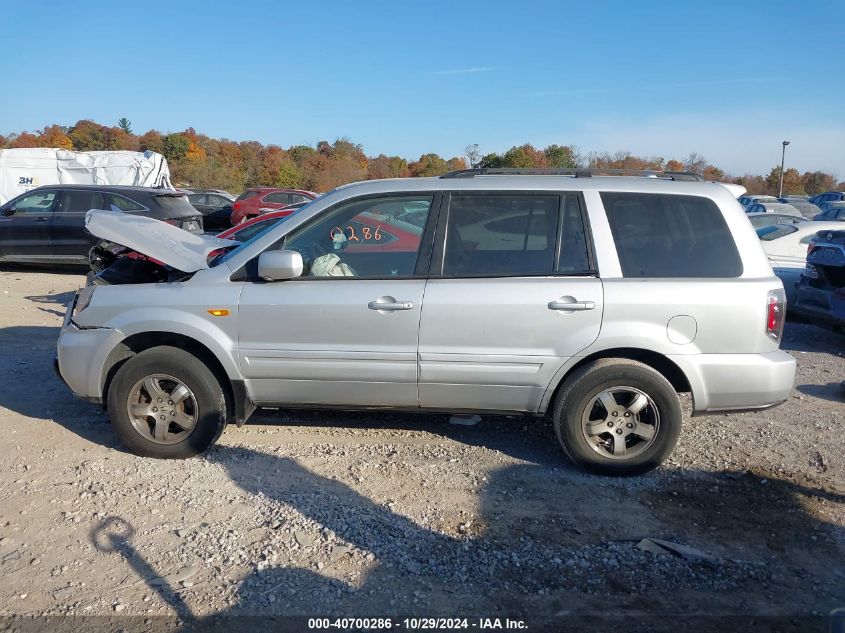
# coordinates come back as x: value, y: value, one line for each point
x: 25, y: 226
x: 513, y: 295
x: 68, y: 237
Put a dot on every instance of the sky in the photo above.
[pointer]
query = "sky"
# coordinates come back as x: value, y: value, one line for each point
x: 729, y: 80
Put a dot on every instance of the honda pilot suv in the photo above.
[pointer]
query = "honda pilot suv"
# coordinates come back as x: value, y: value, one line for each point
x: 592, y: 300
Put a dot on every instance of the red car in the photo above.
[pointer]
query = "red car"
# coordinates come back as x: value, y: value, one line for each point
x: 257, y: 200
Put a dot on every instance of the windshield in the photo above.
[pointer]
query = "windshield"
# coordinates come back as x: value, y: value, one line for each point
x: 228, y: 254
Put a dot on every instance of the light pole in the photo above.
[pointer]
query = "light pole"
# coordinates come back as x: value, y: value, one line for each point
x: 782, y: 160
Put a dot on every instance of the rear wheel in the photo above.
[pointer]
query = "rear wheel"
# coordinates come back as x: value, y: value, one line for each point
x: 166, y: 403
x: 617, y: 417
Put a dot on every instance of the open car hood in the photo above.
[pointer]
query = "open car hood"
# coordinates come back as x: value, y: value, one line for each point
x: 158, y: 240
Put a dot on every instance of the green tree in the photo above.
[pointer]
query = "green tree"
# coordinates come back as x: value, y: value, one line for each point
x: 175, y: 147
x: 560, y: 156
x: 289, y: 175
x: 491, y: 160
x: 125, y: 125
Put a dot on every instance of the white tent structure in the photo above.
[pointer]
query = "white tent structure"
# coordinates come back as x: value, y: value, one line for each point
x: 25, y: 169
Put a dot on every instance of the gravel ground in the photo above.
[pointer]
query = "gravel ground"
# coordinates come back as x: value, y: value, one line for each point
x: 342, y: 514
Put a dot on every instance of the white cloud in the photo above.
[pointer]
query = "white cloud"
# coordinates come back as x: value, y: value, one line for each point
x: 467, y: 71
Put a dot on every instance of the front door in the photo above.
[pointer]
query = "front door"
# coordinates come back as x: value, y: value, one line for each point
x: 345, y: 332
x: 518, y: 296
x: 25, y: 226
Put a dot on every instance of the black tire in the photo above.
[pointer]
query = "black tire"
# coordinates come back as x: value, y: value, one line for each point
x: 210, y: 398
x: 581, y: 390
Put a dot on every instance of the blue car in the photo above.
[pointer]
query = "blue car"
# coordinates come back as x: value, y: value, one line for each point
x: 821, y: 290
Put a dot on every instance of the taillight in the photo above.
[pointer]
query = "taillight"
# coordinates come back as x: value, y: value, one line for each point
x: 173, y: 222
x: 775, y: 314
x: 811, y: 246
x: 237, y: 205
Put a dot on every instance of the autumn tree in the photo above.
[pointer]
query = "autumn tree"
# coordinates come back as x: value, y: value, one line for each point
x: 674, y: 165
x: 792, y: 182
x: 151, y: 141
x: 24, y: 140
x: 817, y: 182
x: 54, y: 136
x: 428, y: 165
x: 387, y: 167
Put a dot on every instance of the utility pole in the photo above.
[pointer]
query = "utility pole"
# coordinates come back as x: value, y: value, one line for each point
x: 782, y: 161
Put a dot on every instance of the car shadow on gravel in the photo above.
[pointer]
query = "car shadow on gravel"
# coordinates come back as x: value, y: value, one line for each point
x: 833, y: 391
x: 526, y: 438
x: 557, y: 549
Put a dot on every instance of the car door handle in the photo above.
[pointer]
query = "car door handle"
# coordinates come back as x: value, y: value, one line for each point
x: 574, y: 305
x: 41, y: 219
x: 389, y: 304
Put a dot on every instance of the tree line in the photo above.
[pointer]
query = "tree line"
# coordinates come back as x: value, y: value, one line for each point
x: 197, y: 160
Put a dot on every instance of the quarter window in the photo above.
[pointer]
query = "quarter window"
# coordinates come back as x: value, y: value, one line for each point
x: 363, y: 238
x: 662, y: 235
x: 119, y: 203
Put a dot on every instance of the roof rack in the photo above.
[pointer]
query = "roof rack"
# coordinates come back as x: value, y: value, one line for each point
x: 577, y: 173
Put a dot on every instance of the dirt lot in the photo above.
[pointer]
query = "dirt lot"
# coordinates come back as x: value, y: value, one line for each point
x: 368, y: 514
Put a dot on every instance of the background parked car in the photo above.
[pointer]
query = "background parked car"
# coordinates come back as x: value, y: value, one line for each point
x: 786, y: 246
x: 831, y: 211
x: 215, y: 206
x: 250, y: 203
x: 47, y: 224
x: 828, y: 196
x: 774, y: 207
x: 821, y: 290
x: 759, y: 220
x: 807, y: 209
x: 747, y: 200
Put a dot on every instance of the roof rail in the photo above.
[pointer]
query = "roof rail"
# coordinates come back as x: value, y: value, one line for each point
x: 577, y: 173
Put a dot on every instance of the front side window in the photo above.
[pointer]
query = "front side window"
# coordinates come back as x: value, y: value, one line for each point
x: 362, y: 238
x: 663, y: 235
x: 35, y: 203
x: 514, y: 235
x: 197, y: 199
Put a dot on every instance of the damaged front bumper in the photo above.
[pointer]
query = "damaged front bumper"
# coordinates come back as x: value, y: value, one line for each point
x: 81, y: 354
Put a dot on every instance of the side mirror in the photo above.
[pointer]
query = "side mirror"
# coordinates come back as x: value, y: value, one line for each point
x: 279, y: 265
x: 8, y: 211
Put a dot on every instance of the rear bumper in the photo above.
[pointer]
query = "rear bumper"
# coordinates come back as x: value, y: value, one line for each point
x: 737, y: 382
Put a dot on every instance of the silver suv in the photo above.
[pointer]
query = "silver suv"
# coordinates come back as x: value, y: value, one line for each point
x: 593, y: 300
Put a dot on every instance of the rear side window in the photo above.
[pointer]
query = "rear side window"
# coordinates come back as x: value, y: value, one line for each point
x: 81, y: 201
x: 514, y: 235
x: 662, y: 235
x: 246, y: 195
x: 770, y: 233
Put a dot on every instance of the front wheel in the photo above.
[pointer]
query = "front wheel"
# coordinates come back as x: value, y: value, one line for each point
x: 616, y: 416
x: 165, y: 402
